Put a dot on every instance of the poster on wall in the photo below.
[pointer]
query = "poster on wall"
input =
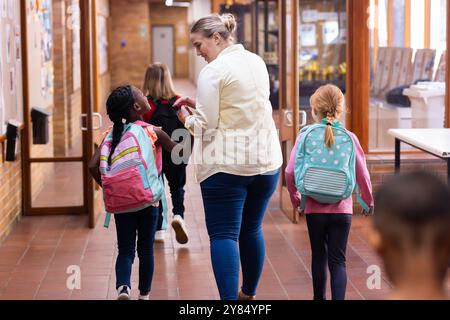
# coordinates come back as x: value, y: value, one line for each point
x: 18, y: 49
x: 76, y: 44
x: 102, y: 44
x: 8, y: 44
x: 330, y: 32
x: 11, y: 8
x: 310, y: 15
x: 307, y: 34
x: 4, y: 8
x: 43, y: 11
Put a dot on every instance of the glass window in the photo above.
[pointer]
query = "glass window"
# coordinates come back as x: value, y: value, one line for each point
x: 407, y: 85
x: 267, y: 25
x: 322, y: 47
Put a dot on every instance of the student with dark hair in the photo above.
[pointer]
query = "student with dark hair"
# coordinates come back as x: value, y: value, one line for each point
x: 411, y: 233
x: 125, y: 107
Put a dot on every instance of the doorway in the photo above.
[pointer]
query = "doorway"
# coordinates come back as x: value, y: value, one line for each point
x: 163, y: 46
x: 58, y: 113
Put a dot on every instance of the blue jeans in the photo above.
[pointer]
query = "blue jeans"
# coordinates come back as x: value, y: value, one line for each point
x: 142, y: 223
x: 328, y: 234
x: 234, y: 210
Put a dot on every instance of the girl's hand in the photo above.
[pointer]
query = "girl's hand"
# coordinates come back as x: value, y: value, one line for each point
x: 185, y: 101
x: 183, y: 113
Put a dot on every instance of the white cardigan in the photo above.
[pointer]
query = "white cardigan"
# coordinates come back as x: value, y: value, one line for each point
x: 232, y: 125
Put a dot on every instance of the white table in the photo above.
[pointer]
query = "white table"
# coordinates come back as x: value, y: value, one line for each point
x: 432, y: 141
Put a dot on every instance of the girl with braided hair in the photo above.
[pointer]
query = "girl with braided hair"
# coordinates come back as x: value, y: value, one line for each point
x: 125, y: 107
x: 329, y: 224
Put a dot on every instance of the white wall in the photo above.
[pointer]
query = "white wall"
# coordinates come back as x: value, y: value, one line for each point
x: 197, y: 10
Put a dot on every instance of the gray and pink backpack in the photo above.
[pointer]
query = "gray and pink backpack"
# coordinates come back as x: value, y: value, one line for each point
x: 133, y: 181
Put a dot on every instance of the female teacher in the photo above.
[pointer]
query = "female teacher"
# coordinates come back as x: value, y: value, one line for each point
x: 237, y: 154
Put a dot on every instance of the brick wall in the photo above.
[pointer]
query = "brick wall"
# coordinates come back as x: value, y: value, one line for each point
x: 10, y: 195
x: 129, y: 25
x: 176, y: 17
x: 60, y: 124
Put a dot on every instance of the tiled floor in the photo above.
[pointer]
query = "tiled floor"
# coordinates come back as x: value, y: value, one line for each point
x: 35, y: 258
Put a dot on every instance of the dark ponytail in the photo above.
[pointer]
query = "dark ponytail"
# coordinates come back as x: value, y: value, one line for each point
x: 118, y: 105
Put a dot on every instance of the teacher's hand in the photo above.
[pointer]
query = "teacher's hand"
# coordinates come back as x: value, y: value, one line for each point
x: 185, y: 101
x: 183, y: 113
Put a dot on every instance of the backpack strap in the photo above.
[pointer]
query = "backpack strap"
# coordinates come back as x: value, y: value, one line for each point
x: 361, y: 202
x: 107, y: 220
x: 165, y: 207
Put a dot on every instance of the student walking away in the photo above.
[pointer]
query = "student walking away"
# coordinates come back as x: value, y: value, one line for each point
x: 327, y: 164
x: 232, y: 109
x: 411, y: 233
x: 124, y: 165
x: 158, y: 86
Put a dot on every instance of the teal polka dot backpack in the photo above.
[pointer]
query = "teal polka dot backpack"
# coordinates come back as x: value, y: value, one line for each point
x: 326, y: 174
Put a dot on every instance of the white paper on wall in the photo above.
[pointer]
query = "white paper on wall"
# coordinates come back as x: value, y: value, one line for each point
x: 18, y: 49
x: 330, y: 32
x: 8, y: 44
x: 309, y: 15
x: 1, y: 59
x: 4, y: 8
x: 11, y: 8
x: 102, y: 44
x: 308, y: 35
x: 328, y: 16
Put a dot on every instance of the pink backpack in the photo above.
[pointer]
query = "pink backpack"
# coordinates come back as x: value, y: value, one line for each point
x: 132, y: 182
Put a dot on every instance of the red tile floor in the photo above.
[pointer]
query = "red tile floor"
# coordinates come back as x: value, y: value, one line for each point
x: 35, y: 257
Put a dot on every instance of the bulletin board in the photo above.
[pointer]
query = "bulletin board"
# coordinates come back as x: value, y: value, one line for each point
x: 11, y: 102
x: 102, y: 40
x: 322, y: 34
x: 40, y: 53
x: 75, y: 26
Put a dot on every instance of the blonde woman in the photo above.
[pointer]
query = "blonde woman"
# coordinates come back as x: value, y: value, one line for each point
x: 329, y: 224
x: 161, y: 95
x: 237, y: 154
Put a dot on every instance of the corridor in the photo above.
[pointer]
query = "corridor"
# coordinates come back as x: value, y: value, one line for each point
x: 35, y: 257
x: 60, y: 66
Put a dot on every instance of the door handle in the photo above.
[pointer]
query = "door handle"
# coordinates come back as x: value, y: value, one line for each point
x: 100, y: 120
x: 83, y: 118
x: 289, y: 115
x: 303, y: 119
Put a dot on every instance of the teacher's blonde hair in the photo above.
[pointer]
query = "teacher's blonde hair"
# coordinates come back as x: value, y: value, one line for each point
x: 225, y: 25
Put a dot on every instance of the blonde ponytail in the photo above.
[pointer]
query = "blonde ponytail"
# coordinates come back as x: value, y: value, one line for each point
x: 329, y: 134
x: 328, y: 102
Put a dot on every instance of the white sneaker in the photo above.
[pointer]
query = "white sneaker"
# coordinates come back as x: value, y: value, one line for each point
x: 179, y: 226
x: 141, y: 297
x: 124, y: 293
x: 160, y: 235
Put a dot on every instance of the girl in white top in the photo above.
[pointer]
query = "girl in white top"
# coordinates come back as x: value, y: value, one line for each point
x: 237, y: 154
